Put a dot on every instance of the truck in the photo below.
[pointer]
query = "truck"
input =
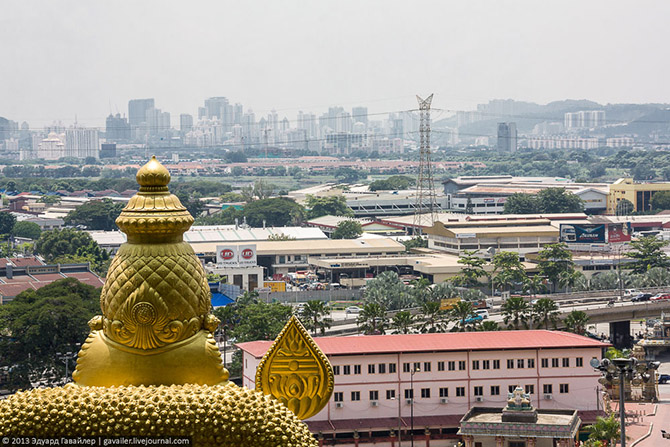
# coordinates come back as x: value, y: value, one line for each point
x: 448, y: 303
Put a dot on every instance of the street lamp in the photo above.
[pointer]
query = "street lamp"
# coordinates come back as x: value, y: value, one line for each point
x: 399, y: 421
x: 65, y: 357
x: 411, y: 414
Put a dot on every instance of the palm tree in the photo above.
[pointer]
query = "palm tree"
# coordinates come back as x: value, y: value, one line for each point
x: 576, y: 322
x: 516, y: 310
x: 402, y: 322
x: 314, y: 316
x: 605, y: 429
x: 489, y: 326
x: 545, y: 311
x: 534, y: 284
x: 420, y: 289
x: 443, y: 290
x: 432, y: 317
x: 461, y: 312
x: 372, y: 319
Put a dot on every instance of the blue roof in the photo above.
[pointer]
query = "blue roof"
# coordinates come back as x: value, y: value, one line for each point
x: 219, y: 299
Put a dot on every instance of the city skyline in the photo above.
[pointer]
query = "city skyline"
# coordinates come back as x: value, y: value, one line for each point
x: 268, y: 57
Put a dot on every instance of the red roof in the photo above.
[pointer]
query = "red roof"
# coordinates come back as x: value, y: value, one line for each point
x: 47, y: 277
x: 452, y: 341
x: 22, y: 262
x: 87, y: 278
x: 11, y: 290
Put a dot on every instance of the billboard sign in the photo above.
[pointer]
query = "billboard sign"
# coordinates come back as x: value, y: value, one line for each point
x: 583, y: 233
x: 619, y: 232
x: 236, y: 255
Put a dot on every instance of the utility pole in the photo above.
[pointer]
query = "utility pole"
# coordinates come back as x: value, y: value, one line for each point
x: 425, y: 189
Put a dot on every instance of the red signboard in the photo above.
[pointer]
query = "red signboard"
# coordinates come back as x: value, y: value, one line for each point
x: 227, y: 254
x: 247, y: 253
x: 619, y: 232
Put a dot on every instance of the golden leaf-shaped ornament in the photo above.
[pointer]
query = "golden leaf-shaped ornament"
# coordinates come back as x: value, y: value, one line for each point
x: 296, y: 372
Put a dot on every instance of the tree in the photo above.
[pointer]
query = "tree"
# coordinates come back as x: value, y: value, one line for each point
x: 559, y: 200
x: 327, y: 206
x: 372, y: 319
x: 389, y: 291
x: 432, y: 318
x: 192, y: 204
x: 39, y: 323
x: 461, y: 312
x: 576, y: 322
x: 394, y: 182
x: 661, y: 201
x: 50, y: 200
x: 489, y: 326
x: 605, y: 429
x: 469, y: 207
x: 7, y: 221
x: 507, y: 270
x: 402, y: 322
x: 314, y: 317
x: 26, y: 229
x: 228, y: 319
x: 261, y: 321
x: 515, y: 310
x: 347, y: 229
x: 545, y: 312
x: 415, y: 242
x: 535, y: 284
x: 95, y: 215
x: 263, y: 189
x: 520, y: 203
x: 70, y: 244
x: 648, y: 253
x: 473, y: 269
x: 554, y: 262
x: 624, y: 207
x: 274, y: 212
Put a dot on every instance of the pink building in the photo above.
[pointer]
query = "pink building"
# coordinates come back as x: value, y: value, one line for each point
x: 374, y: 383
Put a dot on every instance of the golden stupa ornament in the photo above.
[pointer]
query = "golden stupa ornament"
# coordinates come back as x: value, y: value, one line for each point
x: 296, y: 372
x: 150, y: 366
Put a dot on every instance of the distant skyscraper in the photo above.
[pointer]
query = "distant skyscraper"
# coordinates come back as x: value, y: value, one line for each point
x: 82, y: 143
x: 52, y: 147
x: 108, y: 150
x: 137, y: 110
x: 584, y: 119
x: 360, y: 115
x: 185, y: 122
x: 507, y: 137
x: 5, y: 129
x: 117, y: 128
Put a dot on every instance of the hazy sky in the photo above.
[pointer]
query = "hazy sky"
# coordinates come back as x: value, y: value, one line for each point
x: 65, y: 58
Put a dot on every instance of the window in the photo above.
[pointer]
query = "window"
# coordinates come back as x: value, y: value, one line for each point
x: 495, y: 390
x: 529, y: 389
x: 426, y: 366
x: 406, y: 367
x: 460, y: 391
x: 444, y: 392
x: 374, y: 395
x: 355, y: 395
x: 390, y: 394
x: 566, y: 362
x: 425, y: 393
x: 409, y: 393
x: 392, y: 368
x: 545, y: 363
x: 475, y: 364
x: 579, y: 362
x: 461, y: 365
x: 371, y: 368
x: 554, y: 363
x: 511, y: 388
x: 357, y: 369
x: 519, y: 363
x: 486, y: 364
x: 339, y: 396
x: 336, y: 370
x: 417, y: 366
x: 564, y: 388
x: 346, y: 370
x: 510, y: 364
x: 479, y: 390
x: 517, y: 444
x: 382, y: 368
x: 440, y: 366
x: 452, y: 366
x: 531, y: 363
x: 547, y: 388
x: 496, y: 364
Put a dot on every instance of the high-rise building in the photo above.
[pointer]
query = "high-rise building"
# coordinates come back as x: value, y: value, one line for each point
x: 108, y: 150
x: 52, y: 147
x: 360, y: 115
x: 117, y: 128
x: 507, y: 137
x: 158, y: 123
x: 5, y: 129
x: 584, y: 119
x: 185, y: 122
x: 137, y: 110
x: 82, y: 143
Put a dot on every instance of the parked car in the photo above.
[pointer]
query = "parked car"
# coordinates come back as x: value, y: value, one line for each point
x: 664, y: 378
x: 483, y: 312
x: 641, y: 297
x: 353, y: 310
x: 628, y: 293
x: 660, y: 296
x: 475, y: 318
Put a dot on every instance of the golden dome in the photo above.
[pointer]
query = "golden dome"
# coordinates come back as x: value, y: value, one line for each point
x: 153, y: 175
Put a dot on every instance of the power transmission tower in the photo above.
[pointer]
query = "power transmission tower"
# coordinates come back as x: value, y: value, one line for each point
x: 425, y: 189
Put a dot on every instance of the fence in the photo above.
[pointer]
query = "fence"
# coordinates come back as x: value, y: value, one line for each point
x: 308, y: 295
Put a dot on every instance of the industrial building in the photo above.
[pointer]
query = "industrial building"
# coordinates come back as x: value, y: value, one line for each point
x: 639, y: 194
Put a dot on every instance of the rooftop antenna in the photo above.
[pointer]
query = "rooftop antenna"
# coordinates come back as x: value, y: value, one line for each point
x: 425, y: 188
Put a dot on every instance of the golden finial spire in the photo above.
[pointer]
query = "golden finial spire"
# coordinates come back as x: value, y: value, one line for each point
x: 153, y: 175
